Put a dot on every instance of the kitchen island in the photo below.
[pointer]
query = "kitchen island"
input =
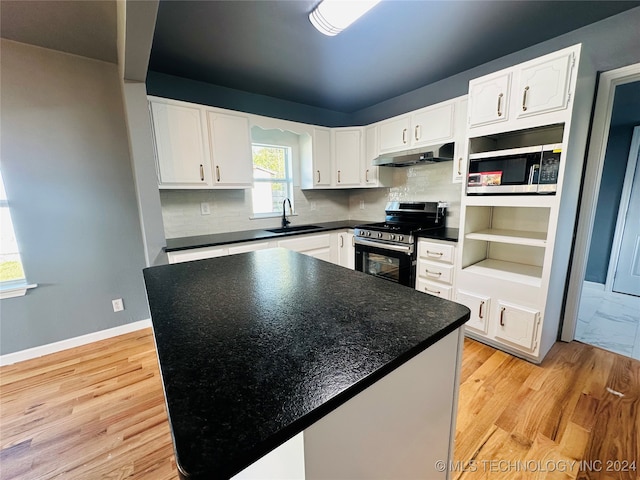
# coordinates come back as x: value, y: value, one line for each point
x: 297, y: 368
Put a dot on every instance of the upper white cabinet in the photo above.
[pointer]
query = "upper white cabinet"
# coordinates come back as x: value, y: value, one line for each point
x: 534, y: 88
x: 347, y: 155
x: 543, y: 86
x: 181, y: 152
x: 427, y: 126
x: 489, y: 99
x: 230, y: 143
x: 200, y: 147
x: 315, y: 164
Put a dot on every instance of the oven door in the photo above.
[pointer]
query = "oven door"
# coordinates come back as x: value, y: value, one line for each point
x: 391, y: 262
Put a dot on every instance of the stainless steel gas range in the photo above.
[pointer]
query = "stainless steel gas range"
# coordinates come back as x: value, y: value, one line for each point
x: 388, y: 249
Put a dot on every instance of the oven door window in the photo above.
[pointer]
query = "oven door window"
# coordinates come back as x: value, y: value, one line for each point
x: 382, y: 266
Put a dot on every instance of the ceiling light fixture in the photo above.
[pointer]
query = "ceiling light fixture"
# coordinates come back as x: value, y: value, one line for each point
x: 333, y: 16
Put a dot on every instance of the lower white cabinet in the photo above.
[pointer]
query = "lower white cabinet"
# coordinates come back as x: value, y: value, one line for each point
x: 317, y: 246
x: 197, y: 254
x: 480, y: 307
x: 434, y: 268
x: 346, y: 250
x: 502, y: 323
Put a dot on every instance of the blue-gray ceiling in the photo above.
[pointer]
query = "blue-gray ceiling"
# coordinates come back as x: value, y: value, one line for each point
x: 269, y: 47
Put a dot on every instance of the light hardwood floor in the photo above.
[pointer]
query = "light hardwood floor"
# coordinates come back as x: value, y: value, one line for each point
x: 98, y: 412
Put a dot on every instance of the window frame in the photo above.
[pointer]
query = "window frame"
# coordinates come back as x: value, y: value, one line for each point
x: 288, y: 180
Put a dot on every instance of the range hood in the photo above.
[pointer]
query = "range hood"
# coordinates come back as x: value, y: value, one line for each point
x: 425, y: 156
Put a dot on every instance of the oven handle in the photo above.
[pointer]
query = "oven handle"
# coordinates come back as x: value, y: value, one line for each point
x: 408, y: 249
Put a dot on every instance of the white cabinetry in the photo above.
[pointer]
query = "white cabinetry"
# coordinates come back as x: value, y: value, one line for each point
x: 515, y: 248
x: 230, y: 143
x: 347, y: 155
x: 538, y: 87
x: 181, y: 152
x: 319, y: 246
x: 461, y: 150
x: 316, y: 159
x: 435, y: 270
x: 374, y: 176
x: 346, y: 250
x: 427, y: 126
x: 200, y: 147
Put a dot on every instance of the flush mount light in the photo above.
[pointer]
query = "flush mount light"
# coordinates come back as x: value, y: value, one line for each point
x: 333, y: 16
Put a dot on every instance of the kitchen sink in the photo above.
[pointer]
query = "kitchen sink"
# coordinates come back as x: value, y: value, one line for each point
x: 298, y: 228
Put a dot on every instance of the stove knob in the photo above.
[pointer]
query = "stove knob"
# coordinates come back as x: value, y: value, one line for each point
x: 392, y: 236
x: 368, y: 234
x: 401, y: 237
x: 379, y: 235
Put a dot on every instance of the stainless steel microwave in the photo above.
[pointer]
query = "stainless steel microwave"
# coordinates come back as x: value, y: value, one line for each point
x: 516, y: 170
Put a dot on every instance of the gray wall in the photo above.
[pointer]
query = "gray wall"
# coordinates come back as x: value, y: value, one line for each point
x: 66, y: 166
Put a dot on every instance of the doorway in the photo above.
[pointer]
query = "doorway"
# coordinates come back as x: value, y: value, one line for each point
x: 606, y: 241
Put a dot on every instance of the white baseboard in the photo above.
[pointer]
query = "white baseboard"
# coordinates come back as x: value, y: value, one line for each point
x: 35, y: 352
x: 594, y: 285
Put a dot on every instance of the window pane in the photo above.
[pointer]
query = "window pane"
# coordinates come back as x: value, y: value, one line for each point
x: 10, y: 263
x: 272, y: 178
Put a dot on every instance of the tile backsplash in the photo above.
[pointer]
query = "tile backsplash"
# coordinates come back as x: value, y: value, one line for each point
x: 231, y: 209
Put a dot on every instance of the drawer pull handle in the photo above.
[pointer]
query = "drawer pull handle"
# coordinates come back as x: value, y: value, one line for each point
x: 434, y: 254
x: 502, y: 309
x: 500, y: 105
x: 415, y: 132
x: 433, y: 274
x: 524, y: 99
x: 201, y: 173
x: 341, y: 241
x: 318, y: 176
x: 366, y: 175
x: 338, y: 176
x: 460, y: 166
x: 437, y: 292
x: 217, y: 172
x: 404, y: 135
x: 480, y: 310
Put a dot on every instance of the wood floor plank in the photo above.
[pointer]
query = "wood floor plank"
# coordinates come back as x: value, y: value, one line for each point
x: 98, y: 412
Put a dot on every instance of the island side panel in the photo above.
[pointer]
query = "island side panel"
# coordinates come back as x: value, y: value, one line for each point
x: 397, y: 428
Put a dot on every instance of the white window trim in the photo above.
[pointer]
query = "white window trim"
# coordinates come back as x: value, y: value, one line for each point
x: 288, y: 179
x: 15, y: 289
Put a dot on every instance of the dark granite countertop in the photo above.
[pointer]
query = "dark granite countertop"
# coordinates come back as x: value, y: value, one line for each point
x: 256, y: 347
x: 217, y: 239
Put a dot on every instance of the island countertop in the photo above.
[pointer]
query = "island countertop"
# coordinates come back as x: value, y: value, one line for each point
x: 256, y: 347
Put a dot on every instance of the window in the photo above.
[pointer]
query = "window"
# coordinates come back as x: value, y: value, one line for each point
x: 10, y: 262
x: 272, y: 178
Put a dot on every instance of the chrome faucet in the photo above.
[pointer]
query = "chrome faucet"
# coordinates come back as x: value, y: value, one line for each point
x: 285, y: 222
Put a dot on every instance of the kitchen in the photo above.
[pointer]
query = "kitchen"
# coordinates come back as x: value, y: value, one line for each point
x: 119, y: 241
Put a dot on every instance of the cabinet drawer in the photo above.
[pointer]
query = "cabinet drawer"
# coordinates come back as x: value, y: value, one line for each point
x: 436, y: 251
x: 435, y: 289
x: 435, y: 271
x: 248, y: 247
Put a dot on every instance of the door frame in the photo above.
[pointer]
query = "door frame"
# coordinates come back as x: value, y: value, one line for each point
x: 608, y: 82
x: 625, y: 198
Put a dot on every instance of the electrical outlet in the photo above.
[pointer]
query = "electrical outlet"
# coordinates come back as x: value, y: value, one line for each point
x: 361, y: 204
x: 205, y: 209
x: 118, y: 305
x: 312, y: 205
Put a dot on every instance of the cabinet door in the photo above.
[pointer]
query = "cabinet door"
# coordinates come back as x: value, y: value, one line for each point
x: 230, y: 149
x: 461, y: 150
x: 348, y: 157
x: 433, y: 125
x: 180, y: 147
x: 516, y: 325
x: 346, y: 250
x: 394, y: 134
x: 480, y: 308
x: 543, y: 87
x: 321, y: 157
x: 489, y: 99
